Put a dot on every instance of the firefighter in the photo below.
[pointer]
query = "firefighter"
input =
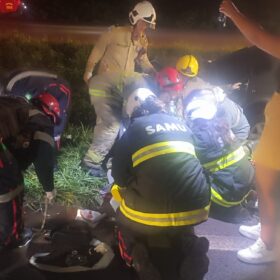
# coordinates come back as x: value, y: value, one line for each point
x: 114, y: 58
x: 161, y: 185
x: 47, y: 91
x: 11, y: 194
x: 222, y: 156
x: 173, y: 87
x: 188, y: 67
x: 170, y: 90
x: 26, y: 137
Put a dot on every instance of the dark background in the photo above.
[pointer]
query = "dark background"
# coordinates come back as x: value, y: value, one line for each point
x: 179, y: 14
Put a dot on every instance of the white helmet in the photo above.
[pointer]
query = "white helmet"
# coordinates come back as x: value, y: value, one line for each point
x: 143, y: 10
x: 202, y: 106
x: 137, y: 98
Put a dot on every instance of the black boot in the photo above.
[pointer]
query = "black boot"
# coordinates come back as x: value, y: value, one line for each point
x: 143, y: 265
x: 195, y: 262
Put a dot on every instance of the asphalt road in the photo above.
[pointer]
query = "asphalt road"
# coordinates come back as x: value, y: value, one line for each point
x: 224, y: 242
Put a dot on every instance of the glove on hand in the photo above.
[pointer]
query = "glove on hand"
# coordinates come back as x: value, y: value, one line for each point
x: 51, y: 195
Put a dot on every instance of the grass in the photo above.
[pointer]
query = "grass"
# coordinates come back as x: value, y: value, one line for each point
x: 74, y: 186
x: 67, y: 59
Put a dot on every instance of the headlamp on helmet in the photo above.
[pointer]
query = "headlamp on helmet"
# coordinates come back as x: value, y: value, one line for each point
x: 137, y: 98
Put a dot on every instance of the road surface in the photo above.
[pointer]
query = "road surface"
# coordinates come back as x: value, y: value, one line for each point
x: 224, y: 242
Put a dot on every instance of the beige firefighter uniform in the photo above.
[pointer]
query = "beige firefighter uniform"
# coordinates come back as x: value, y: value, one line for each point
x: 116, y: 55
x: 116, y: 52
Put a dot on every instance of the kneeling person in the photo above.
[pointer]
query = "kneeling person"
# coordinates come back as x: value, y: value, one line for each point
x: 222, y: 156
x: 162, y: 185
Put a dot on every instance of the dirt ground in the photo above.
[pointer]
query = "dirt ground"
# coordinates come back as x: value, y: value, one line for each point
x: 14, y: 263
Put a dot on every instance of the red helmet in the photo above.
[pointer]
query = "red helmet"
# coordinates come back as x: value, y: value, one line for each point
x: 169, y: 79
x: 49, y: 105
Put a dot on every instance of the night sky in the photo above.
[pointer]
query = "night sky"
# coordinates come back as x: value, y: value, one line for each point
x: 170, y: 13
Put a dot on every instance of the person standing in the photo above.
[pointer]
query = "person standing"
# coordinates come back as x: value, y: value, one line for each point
x: 114, y: 58
x: 267, y: 154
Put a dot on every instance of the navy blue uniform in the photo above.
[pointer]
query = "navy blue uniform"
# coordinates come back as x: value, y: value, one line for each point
x: 230, y: 171
x: 164, y: 190
x: 156, y: 164
x: 11, y: 199
x: 30, y: 84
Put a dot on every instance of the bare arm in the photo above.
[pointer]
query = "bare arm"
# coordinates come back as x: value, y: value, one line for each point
x: 252, y: 31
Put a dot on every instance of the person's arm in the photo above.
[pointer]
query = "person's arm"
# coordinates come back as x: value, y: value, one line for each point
x: 142, y: 58
x: 146, y: 66
x: 96, y: 54
x: 44, y: 163
x: 252, y: 31
x: 122, y: 162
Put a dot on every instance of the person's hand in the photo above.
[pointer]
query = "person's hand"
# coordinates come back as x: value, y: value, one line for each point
x: 87, y: 76
x: 51, y: 195
x: 228, y: 8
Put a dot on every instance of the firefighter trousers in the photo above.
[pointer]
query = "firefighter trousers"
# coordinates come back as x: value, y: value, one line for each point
x: 11, y: 221
x: 107, y: 93
x: 161, y: 251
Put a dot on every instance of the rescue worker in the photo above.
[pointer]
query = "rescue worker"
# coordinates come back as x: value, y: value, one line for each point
x: 161, y: 186
x: 188, y: 67
x: 180, y: 86
x: 222, y: 156
x: 114, y: 58
x: 47, y: 91
x: 26, y: 137
x: 170, y: 90
x: 11, y: 193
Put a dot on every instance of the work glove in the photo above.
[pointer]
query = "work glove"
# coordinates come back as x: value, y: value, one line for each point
x: 51, y: 195
x: 87, y: 77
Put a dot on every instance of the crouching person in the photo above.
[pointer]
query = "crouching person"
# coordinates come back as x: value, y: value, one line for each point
x: 26, y: 138
x: 163, y: 190
x: 11, y: 197
x: 222, y: 156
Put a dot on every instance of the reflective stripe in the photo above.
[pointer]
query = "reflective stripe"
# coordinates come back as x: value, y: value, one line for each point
x: 218, y: 199
x: 97, y: 92
x: 11, y: 195
x: 225, y: 161
x: 39, y: 135
x: 116, y: 193
x: 166, y: 220
x: 162, y: 148
x: 34, y: 112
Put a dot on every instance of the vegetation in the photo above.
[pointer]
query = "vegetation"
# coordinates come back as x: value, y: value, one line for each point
x: 74, y: 185
x: 68, y: 60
